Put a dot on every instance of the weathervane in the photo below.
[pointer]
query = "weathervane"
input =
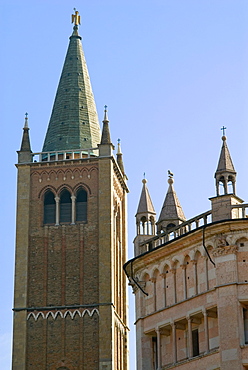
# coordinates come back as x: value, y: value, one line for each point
x: 223, y: 129
x: 75, y: 18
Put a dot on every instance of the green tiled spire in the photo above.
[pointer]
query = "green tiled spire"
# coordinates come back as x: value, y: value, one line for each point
x: 74, y: 122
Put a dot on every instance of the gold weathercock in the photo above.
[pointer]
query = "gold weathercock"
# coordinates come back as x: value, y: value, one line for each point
x: 75, y: 18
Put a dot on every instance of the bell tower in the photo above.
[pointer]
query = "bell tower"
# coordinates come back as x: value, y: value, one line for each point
x: 70, y: 305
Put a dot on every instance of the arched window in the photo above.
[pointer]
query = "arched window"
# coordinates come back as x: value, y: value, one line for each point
x: 65, y: 206
x: 81, y: 205
x: 49, y: 208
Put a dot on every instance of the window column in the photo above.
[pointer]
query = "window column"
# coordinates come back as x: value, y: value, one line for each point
x: 184, y: 281
x: 195, y: 276
x: 57, y: 210
x: 174, y: 342
x: 173, y: 271
x: 205, y: 315
x: 158, y: 348
x: 190, y: 337
x: 73, y: 208
x: 164, y: 287
x: 153, y: 280
x: 206, y: 270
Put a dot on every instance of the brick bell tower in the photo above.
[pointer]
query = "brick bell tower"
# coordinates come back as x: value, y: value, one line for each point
x: 70, y: 305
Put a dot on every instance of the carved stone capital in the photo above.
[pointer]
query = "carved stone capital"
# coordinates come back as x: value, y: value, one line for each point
x: 221, y: 251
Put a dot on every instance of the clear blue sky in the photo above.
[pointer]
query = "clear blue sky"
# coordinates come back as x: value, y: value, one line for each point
x: 172, y: 73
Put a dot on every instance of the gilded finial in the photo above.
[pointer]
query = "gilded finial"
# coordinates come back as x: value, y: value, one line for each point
x: 144, y: 179
x: 75, y: 18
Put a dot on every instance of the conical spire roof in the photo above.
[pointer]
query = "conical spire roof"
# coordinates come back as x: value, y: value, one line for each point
x: 25, y: 145
x: 145, y: 203
x: 105, y: 139
x: 172, y: 209
x: 74, y: 122
x: 119, y: 157
x: 225, y: 161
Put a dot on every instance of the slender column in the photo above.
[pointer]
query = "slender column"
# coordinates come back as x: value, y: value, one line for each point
x: 225, y: 185
x: 153, y: 280
x: 73, y: 209
x: 206, y: 270
x: 190, y: 344
x: 164, y: 287
x: 158, y: 348
x: 174, y: 342
x: 57, y: 210
x: 195, y: 276
x: 205, y: 315
x: 175, y: 284
x: 184, y: 281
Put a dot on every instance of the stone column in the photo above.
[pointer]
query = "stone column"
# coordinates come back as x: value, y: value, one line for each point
x: 195, y: 276
x: 57, y: 210
x: 184, y: 281
x: 164, y: 287
x: 173, y: 271
x: 158, y: 348
x: 174, y: 342
x: 190, y: 337
x: 205, y: 315
x: 73, y: 209
x: 206, y: 273
x: 153, y: 280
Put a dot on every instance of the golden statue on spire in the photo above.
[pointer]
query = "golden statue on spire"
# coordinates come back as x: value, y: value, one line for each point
x: 75, y: 18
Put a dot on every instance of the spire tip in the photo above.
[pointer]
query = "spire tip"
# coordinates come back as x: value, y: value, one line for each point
x: 26, y: 120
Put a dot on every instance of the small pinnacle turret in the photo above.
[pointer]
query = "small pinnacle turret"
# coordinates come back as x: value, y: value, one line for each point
x: 145, y: 213
x: 106, y: 146
x: 119, y: 158
x: 74, y: 122
x: 172, y: 213
x: 225, y: 172
x: 105, y: 130
x: 24, y: 154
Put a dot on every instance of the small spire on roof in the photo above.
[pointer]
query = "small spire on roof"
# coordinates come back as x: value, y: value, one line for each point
x: 171, y: 213
x: 119, y: 157
x: 25, y: 150
x: 225, y: 172
x: 105, y: 130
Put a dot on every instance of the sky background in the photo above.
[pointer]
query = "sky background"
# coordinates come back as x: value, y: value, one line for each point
x: 172, y: 73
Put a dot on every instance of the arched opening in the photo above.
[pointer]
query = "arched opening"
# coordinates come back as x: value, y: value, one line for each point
x: 49, y: 208
x: 81, y: 205
x: 65, y: 206
x: 170, y: 226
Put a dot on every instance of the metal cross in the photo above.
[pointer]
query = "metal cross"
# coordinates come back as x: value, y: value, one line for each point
x: 119, y: 140
x: 223, y: 129
x: 105, y: 107
x: 26, y: 114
